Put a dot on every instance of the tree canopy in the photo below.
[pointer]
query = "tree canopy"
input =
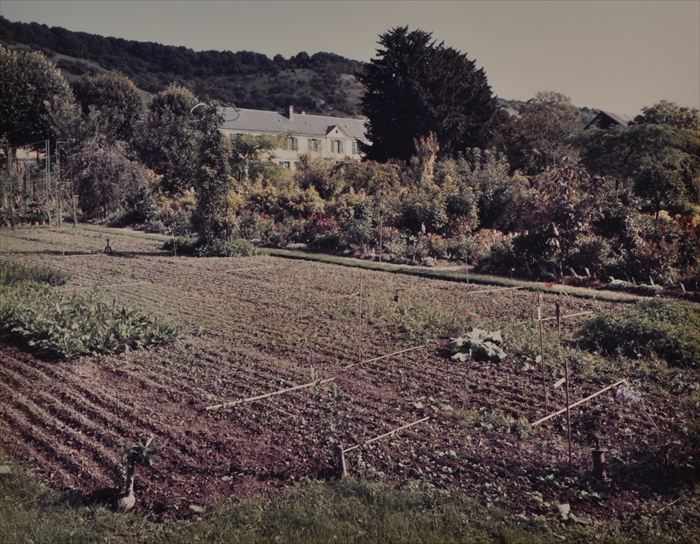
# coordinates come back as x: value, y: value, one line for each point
x: 659, y: 154
x: 116, y: 99
x: 33, y: 95
x: 415, y: 86
x: 542, y: 132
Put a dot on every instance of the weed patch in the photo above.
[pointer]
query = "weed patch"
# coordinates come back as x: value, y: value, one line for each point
x: 670, y: 331
x: 13, y: 273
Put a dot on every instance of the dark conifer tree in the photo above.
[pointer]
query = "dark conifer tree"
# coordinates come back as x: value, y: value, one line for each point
x: 416, y: 86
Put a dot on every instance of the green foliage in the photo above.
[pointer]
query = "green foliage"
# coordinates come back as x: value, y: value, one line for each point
x: 182, y: 245
x: 109, y: 181
x: 117, y: 101
x: 12, y: 273
x: 247, y: 155
x: 415, y: 86
x: 226, y: 248
x: 669, y: 113
x: 542, y: 133
x: 478, y: 344
x: 668, y: 330
x: 65, y: 326
x: 659, y: 161
x: 33, y: 96
x: 169, y: 140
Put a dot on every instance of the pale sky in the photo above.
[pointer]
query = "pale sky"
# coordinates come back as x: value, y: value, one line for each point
x: 614, y: 55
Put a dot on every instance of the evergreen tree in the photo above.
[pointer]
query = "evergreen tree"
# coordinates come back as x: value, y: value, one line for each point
x: 212, y: 179
x: 416, y: 86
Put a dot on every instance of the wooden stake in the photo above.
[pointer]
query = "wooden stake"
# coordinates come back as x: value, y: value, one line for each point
x: 342, y: 465
x: 75, y: 210
x: 542, y: 364
x: 577, y: 403
x: 377, y: 438
x: 566, y: 377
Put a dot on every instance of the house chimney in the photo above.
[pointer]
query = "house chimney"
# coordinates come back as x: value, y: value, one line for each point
x: 291, y: 113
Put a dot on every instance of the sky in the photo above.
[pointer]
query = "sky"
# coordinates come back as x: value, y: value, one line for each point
x: 608, y: 54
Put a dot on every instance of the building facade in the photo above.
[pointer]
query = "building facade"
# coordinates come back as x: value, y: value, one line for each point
x: 297, y: 134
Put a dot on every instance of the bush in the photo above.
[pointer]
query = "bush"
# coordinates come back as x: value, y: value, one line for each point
x: 668, y: 330
x: 182, y: 245
x: 64, y: 326
x: 501, y: 259
x: 592, y: 252
x: 226, y: 248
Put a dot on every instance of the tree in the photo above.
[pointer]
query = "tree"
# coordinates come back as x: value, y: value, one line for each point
x: 169, y: 140
x: 248, y: 154
x: 116, y: 99
x: 415, y: 86
x: 669, y: 113
x: 212, y: 180
x: 658, y: 155
x: 541, y: 135
x: 108, y: 181
x: 34, y: 100
x: 32, y: 93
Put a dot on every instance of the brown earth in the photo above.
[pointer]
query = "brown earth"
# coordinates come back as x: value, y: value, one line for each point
x: 254, y: 325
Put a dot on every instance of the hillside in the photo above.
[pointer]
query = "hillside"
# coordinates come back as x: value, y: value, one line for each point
x: 322, y: 82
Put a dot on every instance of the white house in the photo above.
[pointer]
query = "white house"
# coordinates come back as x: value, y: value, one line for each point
x: 318, y: 136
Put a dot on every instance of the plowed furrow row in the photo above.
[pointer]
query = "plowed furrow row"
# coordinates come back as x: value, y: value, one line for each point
x: 70, y: 398
x: 59, y: 431
x: 67, y: 414
x: 26, y: 451
x: 122, y: 411
x: 57, y: 455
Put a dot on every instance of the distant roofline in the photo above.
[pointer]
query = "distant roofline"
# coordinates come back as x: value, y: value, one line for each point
x: 301, y: 114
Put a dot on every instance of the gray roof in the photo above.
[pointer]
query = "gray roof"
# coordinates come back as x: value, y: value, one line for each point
x: 619, y: 118
x: 301, y: 123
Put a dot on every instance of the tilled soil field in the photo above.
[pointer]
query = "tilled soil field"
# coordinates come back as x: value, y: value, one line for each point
x: 250, y: 326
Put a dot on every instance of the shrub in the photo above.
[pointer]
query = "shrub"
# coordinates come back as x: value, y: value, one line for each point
x: 668, y: 330
x: 592, y: 252
x: 182, y: 245
x: 64, y: 326
x: 323, y: 233
x: 226, y: 248
x: 501, y: 259
x: 285, y: 232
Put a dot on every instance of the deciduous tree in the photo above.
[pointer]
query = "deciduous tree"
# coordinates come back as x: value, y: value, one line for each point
x: 116, y: 99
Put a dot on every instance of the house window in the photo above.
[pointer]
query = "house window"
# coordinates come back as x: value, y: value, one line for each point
x: 292, y: 143
x: 355, y: 148
x: 314, y: 145
x: 285, y: 164
x: 337, y: 146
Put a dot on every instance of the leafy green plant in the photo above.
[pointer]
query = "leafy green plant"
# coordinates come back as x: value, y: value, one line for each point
x: 478, y: 344
x: 66, y: 326
x: 12, y: 273
x: 668, y: 330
